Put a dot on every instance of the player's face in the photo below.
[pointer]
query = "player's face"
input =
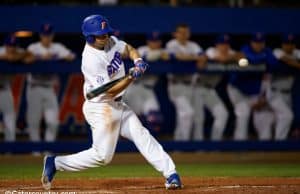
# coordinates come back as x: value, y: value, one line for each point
x: 223, y: 48
x: 182, y: 34
x: 288, y: 47
x: 46, y: 40
x: 257, y: 46
x: 100, y: 41
x: 154, y: 44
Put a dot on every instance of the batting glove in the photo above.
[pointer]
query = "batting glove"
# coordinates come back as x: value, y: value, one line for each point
x: 135, y: 72
x: 140, y: 63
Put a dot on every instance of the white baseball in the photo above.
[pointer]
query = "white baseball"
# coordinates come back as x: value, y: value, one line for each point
x: 243, y: 62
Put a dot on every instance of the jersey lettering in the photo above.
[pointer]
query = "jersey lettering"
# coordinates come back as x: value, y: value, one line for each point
x: 115, y: 64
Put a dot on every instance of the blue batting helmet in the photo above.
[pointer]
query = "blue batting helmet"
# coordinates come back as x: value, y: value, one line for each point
x: 95, y: 25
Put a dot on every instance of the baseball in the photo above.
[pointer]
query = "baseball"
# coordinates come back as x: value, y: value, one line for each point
x: 243, y: 62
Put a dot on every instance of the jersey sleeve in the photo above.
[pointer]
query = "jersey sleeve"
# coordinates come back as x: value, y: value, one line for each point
x: 297, y: 54
x: 2, y: 51
x: 120, y: 44
x: 210, y: 53
x: 171, y: 47
x: 197, y: 49
x: 142, y: 51
x: 32, y: 48
x: 278, y: 53
x: 62, y: 51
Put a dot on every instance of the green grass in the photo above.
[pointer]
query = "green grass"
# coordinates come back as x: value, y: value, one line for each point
x: 13, y: 171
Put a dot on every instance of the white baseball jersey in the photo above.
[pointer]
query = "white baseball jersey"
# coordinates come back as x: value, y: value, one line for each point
x: 211, y: 80
x: 190, y: 48
x: 102, y: 66
x: 150, y: 54
x: 284, y: 81
x: 212, y: 53
x: 57, y: 50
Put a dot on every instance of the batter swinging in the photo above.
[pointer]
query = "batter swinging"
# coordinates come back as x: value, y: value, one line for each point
x: 107, y: 115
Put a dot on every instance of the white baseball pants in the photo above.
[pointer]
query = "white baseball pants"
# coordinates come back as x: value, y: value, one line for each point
x: 108, y: 120
x: 42, y: 101
x: 279, y: 113
x: 181, y: 96
x: 9, y: 116
x: 208, y: 97
x: 242, y: 109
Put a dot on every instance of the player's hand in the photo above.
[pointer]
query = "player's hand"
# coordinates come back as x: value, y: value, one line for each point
x: 140, y: 63
x: 260, y: 103
x: 135, y: 72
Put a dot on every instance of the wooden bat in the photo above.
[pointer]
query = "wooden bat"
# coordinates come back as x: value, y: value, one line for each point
x: 97, y: 91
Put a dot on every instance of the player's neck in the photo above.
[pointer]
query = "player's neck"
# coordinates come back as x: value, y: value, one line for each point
x: 101, y: 48
x: 182, y: 42
x: 46, y: 45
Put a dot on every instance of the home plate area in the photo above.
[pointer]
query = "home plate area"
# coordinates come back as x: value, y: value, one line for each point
x: 222, y: 185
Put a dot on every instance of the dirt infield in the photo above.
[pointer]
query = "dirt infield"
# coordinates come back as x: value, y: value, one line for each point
x: 155, y: 185
x: 203, y: 185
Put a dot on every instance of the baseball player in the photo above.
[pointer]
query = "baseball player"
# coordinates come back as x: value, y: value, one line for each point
x: 145, y: 103
x: 12, y: 53
x: 180, y: 86
x: 41, y: 97
x: 107, y: 115
x: 205, y: 94
x: 247, y: 92
x: 279, y: 97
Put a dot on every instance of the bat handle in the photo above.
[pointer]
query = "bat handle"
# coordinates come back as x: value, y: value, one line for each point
x: 90, y: 96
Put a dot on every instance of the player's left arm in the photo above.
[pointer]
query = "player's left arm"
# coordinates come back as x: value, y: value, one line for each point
x: 64, y: 53
x: 133, y: 54
x: 134, y: 72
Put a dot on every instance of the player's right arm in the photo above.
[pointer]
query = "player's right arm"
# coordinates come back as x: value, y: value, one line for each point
x: 119, y: 87
x: 279, y: 54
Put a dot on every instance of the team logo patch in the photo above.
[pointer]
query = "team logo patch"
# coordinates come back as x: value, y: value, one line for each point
x: 99, y: 79
x: 103, y: 25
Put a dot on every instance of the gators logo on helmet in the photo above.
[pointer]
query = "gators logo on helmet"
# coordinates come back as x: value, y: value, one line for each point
x: 103, y: 25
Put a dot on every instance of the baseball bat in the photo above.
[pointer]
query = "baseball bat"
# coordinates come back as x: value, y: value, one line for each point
x: 101, y: 89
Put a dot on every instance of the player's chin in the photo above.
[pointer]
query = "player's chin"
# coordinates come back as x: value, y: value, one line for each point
x: 100, y: 44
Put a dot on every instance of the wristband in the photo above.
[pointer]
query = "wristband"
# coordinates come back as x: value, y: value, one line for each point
x: 137, y: 60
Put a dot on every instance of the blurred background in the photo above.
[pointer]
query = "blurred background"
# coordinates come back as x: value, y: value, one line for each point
x: 224, y: 75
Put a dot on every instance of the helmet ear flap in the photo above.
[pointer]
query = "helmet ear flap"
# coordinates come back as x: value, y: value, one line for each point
x: 90, y: 39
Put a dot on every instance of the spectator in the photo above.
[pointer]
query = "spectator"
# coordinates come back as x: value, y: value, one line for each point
x: 180, y: 86
x: 10, y: 52
x: 41, y: 98
x: 145, y: 103
x: 247, y: 93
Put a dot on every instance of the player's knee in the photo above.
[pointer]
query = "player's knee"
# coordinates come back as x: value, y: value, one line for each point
x: 185, y: 115
x: 221, y: 113
x: 286, y: 115
x: 242, y: 110
x: 107, y: 159
x: 103, y: 158
x: 102, y: 161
